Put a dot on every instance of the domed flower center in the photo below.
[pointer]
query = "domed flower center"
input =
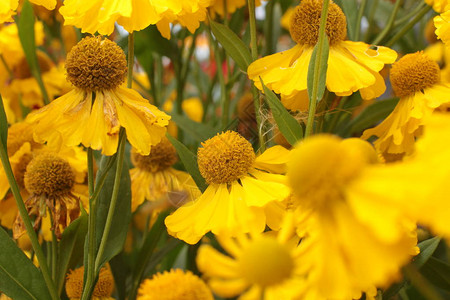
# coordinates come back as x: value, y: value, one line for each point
x: 103, y: 289
x: 161, y: 157
x: 22, y: 69
x: 49, y: 175
x: 322, y: 166
x: 96, y: 64
x: 266, y: 262
x: 414, y: 73
x: 175, y: 285
x: 305, y: 23
x: 225, y: 158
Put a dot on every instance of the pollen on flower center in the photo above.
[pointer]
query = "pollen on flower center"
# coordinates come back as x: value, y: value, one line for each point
x: 414, y: 73
x: 266, y: 262
x: 225, y: 158
x: 162, y: 156
x: 103, y: 289
x: 96, y: 64
x: 49, y: 175
x: 22, y: 69
x: 305, y: 23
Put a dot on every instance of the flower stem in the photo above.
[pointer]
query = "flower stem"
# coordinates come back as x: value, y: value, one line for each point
x: 112, y: 205
x: 254, y: 50
x: 389, y: 25
x: 24, y: 214
x: 130, y: 59
x: 421, y: 283
x: 362, y: 8
x: 315, y: 88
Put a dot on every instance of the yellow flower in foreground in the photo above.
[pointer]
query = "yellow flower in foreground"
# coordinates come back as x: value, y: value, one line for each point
x: 354, y: 240
x: 154, y: 178
x: 259, y: 266
x: 97, y: 68
x: 102, y: 290
x: 239, y: 189
x: 352, y: 66
x: 100, y: 15
x: 416, y: 81
x: 439, y: 5
x: 7, y: 10
x: 174, y: 285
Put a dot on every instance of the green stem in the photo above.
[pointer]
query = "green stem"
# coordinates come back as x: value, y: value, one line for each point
x: 270, y: 47
x: 336, y: 115
x: 130, y: 59
x: 112, y: 205
x: 421, y: 283
x: 254, y: 49
x: 26, y: 220
x: 389, y: 24
x: 408, y: 26
x: 362, y: 8
x: 410, y: 15
x: 373, y: 9
x: 38, y: 76
x: 54, y: 251
x: 315, y: 89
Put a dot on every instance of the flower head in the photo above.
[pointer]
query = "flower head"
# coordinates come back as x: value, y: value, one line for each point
x: 94, y: 112
x: 439, y: 5
x: 416, y: 80
x: 173, y: 285
x: 241, y: 188
x: 102, y: 290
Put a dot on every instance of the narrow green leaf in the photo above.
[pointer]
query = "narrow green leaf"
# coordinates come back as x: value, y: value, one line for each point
x: 321, y: 56
x: 122, y: 213
x: 232, y: 44
x: 350, y: 8
x: 437, y: 272
x: 71, y: 248
x: 189, y: 161
x: 3, y: 125
x: 199, y: 131
x: 19, y: 278
x: 288, y: 125
x: 427, y: 249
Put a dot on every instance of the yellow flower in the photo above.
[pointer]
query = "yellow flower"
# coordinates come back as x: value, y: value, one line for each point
x: 97, y: 68
x: 239, y: 189
x: 218, y: 6
x: 442, y: 23
x: 354, y: 240
x: 7, y: 10
x: 154, y: 178
x: 439, y: 5
x: 102, y: 290
x: 352, y: 66
x: 285, y: 20
x: 258, y: 266
x: 100, y: 15
x: 174, y: 285
x: 416, y: 80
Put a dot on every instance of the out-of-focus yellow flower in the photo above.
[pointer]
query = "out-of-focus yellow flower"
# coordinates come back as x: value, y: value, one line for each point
x: 352, y: 66
x: 218, y: 6
x: 97, y: 68
x: 286, y: 18
x: 439, y: 5
x: 442, y: 23
x: 192, y: 107
x: 154, y: 178
x: 416, y: 80
x: 258, y: 266
x: 174, y: 285
x: 355, y: 241
x: 239, y: 189
x: 100, y: 15
x: 102, y: 290
x: 7, y: 10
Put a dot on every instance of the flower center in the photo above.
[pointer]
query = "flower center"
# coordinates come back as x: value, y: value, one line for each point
x: 103, y: 289
x: 22, y: 70
x: 305, y: 23
x: 96, y: 64
x: 225, y: 158
x: 320, y: 168
x: 413, y: 73
x: 49, y: 175
x: 266, y: 262
x: 162, y: 156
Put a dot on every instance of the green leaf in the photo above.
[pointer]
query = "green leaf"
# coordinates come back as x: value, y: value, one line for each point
x: 232, y: 44
x: 427, y: 249
x: 350, y: 8
x: 199, y: 131
x: 322, y: 57
x: 288, y: 125
x: 19, y: 278
x: 189, y: 161
x: 437, y: 272
x: 122, y: 213
x: 150, y: 40
x: 3, y: 125
x: 371, y: 115
x: 71, y: 248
